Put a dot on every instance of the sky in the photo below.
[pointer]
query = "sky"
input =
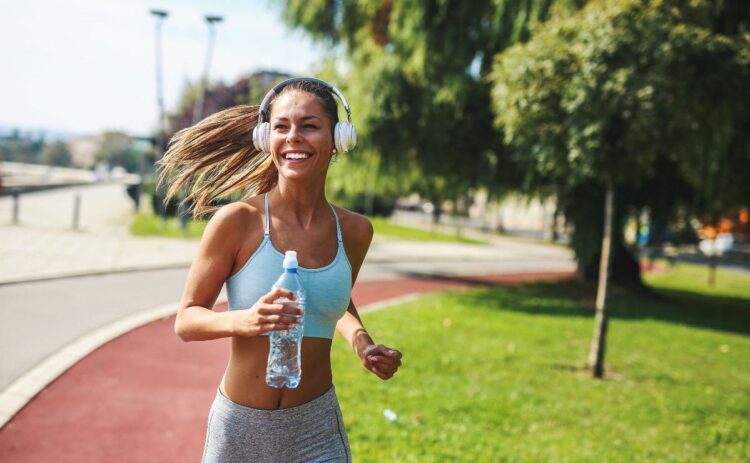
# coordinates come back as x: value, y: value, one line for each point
x: 83, y: 66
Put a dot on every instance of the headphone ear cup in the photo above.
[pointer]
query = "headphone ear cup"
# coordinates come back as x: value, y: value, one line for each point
x: 345, y: 137
x: 261, y: 137
x: 267, y: 137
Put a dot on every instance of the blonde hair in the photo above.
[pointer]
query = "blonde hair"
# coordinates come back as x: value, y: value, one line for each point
x: 216, y: 158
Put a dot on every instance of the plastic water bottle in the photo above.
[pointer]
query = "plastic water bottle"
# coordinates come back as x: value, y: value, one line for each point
x: 285, y: 352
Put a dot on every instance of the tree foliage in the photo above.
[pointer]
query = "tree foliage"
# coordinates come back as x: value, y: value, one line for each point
x: 21, y: 147
x: 116, y: 149
x: 56, y: 154
x: 644, y: 93
x: 415, y: 76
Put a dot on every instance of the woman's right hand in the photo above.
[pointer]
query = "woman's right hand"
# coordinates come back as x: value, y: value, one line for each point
x: 265, y: 316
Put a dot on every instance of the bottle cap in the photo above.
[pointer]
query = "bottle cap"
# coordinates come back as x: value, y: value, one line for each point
x: 290, y: 259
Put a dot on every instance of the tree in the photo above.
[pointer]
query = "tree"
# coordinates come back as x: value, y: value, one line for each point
x: 416, y: 76
x: 116, y: 149
x: 591, y: 105
x: 56, y: 154
x: 21, y: 147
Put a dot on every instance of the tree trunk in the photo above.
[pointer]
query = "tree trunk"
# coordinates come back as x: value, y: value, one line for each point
x: 587, y: 218
x: 713, y: 262
x: 553, y: 230
x: 599, y: 341
x: 436, y: 211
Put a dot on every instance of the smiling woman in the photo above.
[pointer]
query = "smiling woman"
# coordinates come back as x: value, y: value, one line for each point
x: 296, y: 133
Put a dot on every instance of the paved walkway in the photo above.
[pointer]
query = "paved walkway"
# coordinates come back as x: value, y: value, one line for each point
x: 44, y: 244
x: 144, y: 397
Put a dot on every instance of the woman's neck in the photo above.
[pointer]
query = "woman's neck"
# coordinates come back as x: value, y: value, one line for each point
x: 302, y: 203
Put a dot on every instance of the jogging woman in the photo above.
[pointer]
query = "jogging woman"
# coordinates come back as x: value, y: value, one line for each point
x: 279, y: 153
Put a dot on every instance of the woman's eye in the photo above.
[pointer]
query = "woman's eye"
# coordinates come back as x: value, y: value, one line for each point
x: 311, y: 126
x: 279, y: 127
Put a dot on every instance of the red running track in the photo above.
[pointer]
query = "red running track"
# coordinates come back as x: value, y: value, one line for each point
x: 144, y: 397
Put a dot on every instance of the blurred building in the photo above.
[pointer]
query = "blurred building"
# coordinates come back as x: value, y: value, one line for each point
x: 515, y: 214
x: 82, y: 150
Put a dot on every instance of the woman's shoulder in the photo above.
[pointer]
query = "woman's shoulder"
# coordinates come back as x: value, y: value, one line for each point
x: 239, y: 215
x: 355, y: 228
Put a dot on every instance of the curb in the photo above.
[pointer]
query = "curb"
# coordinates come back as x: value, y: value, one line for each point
x: 62, y: 276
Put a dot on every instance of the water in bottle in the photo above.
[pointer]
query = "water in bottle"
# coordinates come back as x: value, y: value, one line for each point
x: 285, y: 352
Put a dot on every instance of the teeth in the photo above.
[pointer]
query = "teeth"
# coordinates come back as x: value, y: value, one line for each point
x: 296, y: 156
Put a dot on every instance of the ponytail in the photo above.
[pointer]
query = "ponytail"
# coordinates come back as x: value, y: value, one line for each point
x: 216, y: 158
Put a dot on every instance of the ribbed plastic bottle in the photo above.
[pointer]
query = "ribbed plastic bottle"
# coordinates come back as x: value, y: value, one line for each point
x: 285, y: 353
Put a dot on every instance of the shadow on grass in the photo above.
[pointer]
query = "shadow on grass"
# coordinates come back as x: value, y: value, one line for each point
x: 724, y: 313
x: 573, y: 299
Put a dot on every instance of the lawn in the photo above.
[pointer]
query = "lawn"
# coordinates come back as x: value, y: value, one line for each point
x: 494, y: 375
x: 147, y: 224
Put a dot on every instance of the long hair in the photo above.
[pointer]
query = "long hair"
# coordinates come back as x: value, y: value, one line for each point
x: 216, y: 157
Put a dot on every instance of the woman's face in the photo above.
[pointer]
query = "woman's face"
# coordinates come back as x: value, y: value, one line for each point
x: 301, y: 138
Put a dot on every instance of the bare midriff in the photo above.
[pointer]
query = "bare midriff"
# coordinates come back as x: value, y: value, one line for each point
x: 244, y: 380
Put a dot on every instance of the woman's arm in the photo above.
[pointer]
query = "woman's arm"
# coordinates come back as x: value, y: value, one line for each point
x: 357, y: 234
x: 212, y: 264
x: 377, y: 358
x: 350, y: 326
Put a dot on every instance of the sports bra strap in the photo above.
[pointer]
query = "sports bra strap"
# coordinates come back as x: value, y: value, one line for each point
x: 338, y: 227
x: 267, y: 229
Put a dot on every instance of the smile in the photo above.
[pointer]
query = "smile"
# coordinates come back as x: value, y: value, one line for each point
x: 295, y: 156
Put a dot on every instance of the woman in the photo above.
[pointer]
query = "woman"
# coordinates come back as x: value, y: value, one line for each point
x: 285, y: 164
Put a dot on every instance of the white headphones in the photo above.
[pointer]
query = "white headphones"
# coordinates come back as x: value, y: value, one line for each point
x: 344, y: 134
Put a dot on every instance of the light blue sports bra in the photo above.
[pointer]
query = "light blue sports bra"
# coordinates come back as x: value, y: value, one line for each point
x: 328, y: 289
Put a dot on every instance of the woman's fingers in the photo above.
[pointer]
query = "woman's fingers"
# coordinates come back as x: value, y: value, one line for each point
x: 276, y: 293
x: 275, y: 327
x: 381, y: 374
x: 286, y: 319
x: 383, y: 368
x: 272, y: 309
x: 381, y: 359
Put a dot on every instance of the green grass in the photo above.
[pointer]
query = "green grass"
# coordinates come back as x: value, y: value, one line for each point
x: 147, y: 224
x: 695, y: 277
x: 494, y: 375
x: 383, y: 227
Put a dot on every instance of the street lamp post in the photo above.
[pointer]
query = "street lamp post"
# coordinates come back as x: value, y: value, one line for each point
x: 160, y: 16
x: 211, y: 20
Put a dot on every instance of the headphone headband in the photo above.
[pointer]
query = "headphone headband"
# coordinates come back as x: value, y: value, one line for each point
x: 263, y: 115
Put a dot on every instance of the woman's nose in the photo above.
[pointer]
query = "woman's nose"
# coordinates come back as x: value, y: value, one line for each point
x: 293, y: 135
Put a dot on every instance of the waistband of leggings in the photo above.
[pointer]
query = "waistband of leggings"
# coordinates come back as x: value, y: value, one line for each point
x: 321, y: 403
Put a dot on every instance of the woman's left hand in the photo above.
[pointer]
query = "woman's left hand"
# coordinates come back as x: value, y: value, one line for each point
x: 381, y: 360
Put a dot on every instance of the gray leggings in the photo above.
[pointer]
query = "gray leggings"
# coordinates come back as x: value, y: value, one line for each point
x: 311, y: 432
